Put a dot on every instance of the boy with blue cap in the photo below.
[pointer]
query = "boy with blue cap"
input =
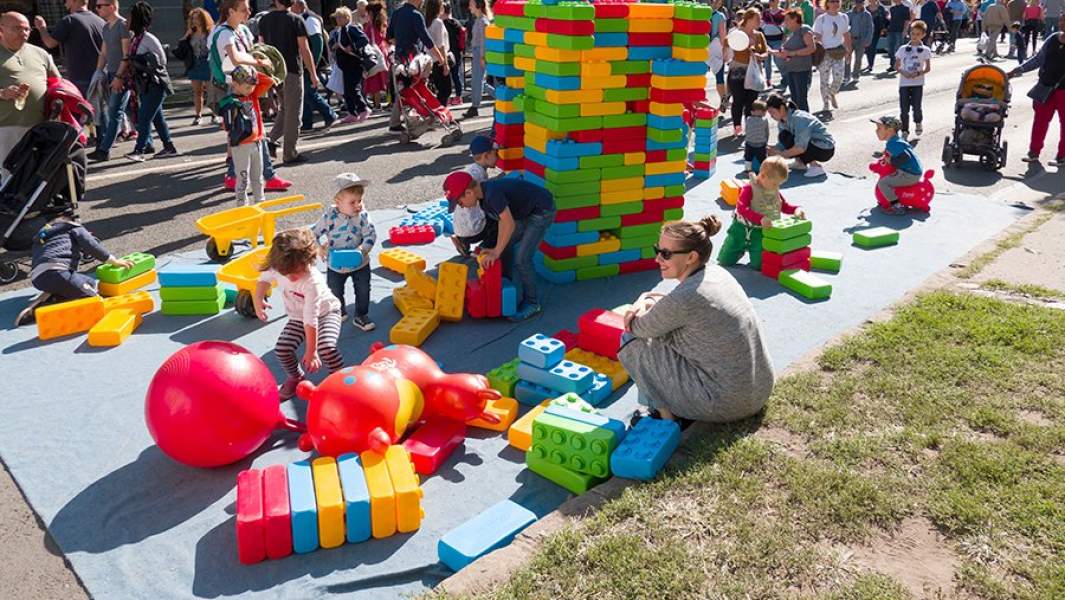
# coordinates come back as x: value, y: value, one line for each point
x: 900, y: 154
x: 469, y: 223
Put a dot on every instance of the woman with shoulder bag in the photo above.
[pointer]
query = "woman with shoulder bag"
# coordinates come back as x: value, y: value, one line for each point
x: 348, y: 44
x: 1048, y: 95
x: 150, y: 79
x: 832, y: 29
x: 742, y: 97
x: 796, y: 57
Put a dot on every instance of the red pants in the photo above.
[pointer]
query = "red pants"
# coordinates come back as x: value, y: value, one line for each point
x: 1044, y: 113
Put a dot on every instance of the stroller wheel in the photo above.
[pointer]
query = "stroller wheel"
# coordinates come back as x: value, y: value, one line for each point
x: 8, y: 271
x: 451, y: 137
x: 214, y: 254
x: 244, y: 305
x: 1003, y: 154
x: 404, y: 138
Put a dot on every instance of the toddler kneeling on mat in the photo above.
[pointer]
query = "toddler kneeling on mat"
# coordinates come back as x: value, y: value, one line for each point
x: 760, y: 204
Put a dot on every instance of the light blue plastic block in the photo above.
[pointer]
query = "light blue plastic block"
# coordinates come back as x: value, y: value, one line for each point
x: 507, y: 93
x: 602, y: 387
x: 664, y: 180
x: 534, y: 178
x: 660, y: 122
x: 646, y: 449
x: 571, y: 149
x: 356, y: 498
x: 621, y: 256
x: 499, y: 46
x: 510, y: 299
x: 555, y: 277
x: 553, y: 82
x: 552, y: 162
x: 505, y: 118
x: 566, y: 376
x: 678, y: 68
x: 184, y: 275
x: 346, y: 258
x: 541, y: 351
x: 565, y: 228
x: 494, y: 528
x: 514, y: 36
x: 595, y: 420
x: 611, y: 40
x: 650, y: 52
x: 530, y: 394
x: 573, y: 239
x: 304, y: 507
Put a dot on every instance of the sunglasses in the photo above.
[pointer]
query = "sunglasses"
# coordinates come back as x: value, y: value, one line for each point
x: 666, y: 254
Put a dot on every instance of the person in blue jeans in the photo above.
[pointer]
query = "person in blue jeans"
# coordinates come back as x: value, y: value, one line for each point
x: 524, y: 211
x: 899, y: 17
x: 312, y: 100
x: 146, y: 50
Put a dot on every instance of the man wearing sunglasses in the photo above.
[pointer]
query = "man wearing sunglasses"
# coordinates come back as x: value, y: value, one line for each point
x: 112, y: 64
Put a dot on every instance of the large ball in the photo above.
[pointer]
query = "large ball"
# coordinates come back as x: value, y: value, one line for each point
x: 738, y: 40
x: 211, y: 403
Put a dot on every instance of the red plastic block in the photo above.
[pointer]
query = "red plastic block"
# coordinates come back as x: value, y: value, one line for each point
x: 616, y: 146
x: 431, y: 444
x: 655, y: 156
x: 492, y: 281
x: 668, y: 203
x: 701, y: 165
x: 705, y: 112
x: 677, y: 96
x: 626, y: 133
x: 650, y: 39
x: 691, y: 27
x: 611, y: 10
x: 510, y: 164
x: 577, y: 214
x: 277, y: 512
x: 558, y: 253
x: 533, y: 166
x: 773, y: 263
x: 567, y: 337
x: 587, y: 135
x: 405, y: 235
x: 475, y: 299
x: 510, y: 136
x: 638, y: 80
x: 651, y: 214
x: 639, y: 106
x: 251, y: 527
x: 565, y: 27
x: 510, y: 9
x: 599, y: 331
x: 644, y: 264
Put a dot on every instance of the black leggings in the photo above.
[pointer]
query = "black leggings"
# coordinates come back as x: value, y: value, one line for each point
x: 442, y: 83
x: 742, y: 98
x: 812, y: 153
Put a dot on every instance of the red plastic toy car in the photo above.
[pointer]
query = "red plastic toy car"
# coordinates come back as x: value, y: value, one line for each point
x: 917, y: 196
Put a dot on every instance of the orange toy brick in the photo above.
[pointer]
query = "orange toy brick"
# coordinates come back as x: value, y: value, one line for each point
x: 406, y: 300
x: 451, y: 290
x: 520, y: 433
x: 601, y: 364
x: 127, y: 286
x: 382, y: 494
x: 414, y: 328
x: 407, y: 490
x: 114, y: 328
x: 730, y: 191
x: 398, y: 259
x: 65, y: 318
x: 139, y: 302
x: 421, y: 282
x: 504, y: 408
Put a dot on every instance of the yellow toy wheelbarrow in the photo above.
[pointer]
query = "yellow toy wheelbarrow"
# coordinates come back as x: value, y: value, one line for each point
x: 246, y: 223
x: 243, y: 272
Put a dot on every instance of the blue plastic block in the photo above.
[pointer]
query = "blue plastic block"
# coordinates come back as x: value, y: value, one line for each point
x: 534, y: 178
x: 508, y: 93
x: 571, y: 149
x: 612, y: 39
x: 621, y: 256
x: 541, y: 351
x: 514, y: 36
x: 304, y: 507
x: 646, y: 449
x: 356, y: 498
x: 564, y: 377
x: 665, y: 180
x: 614, y: 425
x: 650, y: 52
x: 678, y: 68
x: 575, y: 239
x: 566, y: 228
x: 653, y: 145
x: 510, y: 299
x: 499, y: 46
x: 552, y: 162
x: 179, y: 275
x: 514, y: 118
x: 602, y: 387
x: 660, y: 122
x: 231, y: 294
x: 555, y: 277
x: 530, y: 394
x: 553, y: 82
x: 345, y: 258
x: 494, y: 528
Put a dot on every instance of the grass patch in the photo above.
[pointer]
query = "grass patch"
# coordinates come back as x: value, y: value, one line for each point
x: 1024, y: 289
x: 1011, y: 241
x: 952, y: 411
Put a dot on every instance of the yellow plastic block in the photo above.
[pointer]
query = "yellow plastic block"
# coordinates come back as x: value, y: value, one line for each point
x: 607, y: 54
x: 330, y: 502
x: 406, y: 300
x: 139, y: 302
x: 557, y: 54
x: 525, y: 64
x: 573, y: 96
x: 617, y: 185
x: 670, y: 109
x: 601, y: 109
x: 114, y: 328
x: 421, y: 282
x: 609, y: 82
x: 127, y: 286
x: 595, y: 69
x: 493, y: 32
x: 510, y: 153
x: 645, y: 25
x: 540, y: 145
x: 506, y: 106
x: 606, y: 243
x: 730, y: 191
x: 382, y: 494
x: 535, y: 38
x: 451, y: 290
x: 520, y: 433
x: 408, y: 491
x: 611, y: 368
x: 621, y: 197
x: 650, y: 11
x: 414, y: 327
x: 398, y: 259
x: 655, y: 193
x: 692, y: 82
x: 504, y: 408
x: 691, y: 54
x: 534, y: 131
x: 662, y: 168
x: 635, y: 158
x: 516, y: 82
x: 75, y: 316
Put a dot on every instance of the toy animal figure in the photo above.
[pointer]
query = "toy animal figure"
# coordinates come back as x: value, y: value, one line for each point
x: 917, y: 196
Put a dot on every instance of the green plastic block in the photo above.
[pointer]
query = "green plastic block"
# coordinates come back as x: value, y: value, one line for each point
x: 786, y: 228
x: 565, y: 11
x: 564, y: 125
x: 601, y: 224
x: 876, y: 237
x: 142, y: 263
x: 577, y: 483
x: 576, y: 176
x: 628, y: 243
x: 700, y: 123
x: 676, y: 154
x: 611, y: 25
x: 598, y: 272
x: 570, y: 42
x: 648, y: 252
x: 673, y: 214
x: 504, y: 377
x: 588, y: 188
x: 559, y: 69
x: 570, y: 264
x: 180, y: 294
x: 672, y: 191
x: 805, y: 284
x: 568, y: 202
x: 524, y: 51
x: 641, y: 231
x: 691, y: 11
x: 572, y: 444
x: 623, y: 172
x: 785, y: 246
x: 534, y: 91
x: 625, y: 208
x: 520, y: 23
x: 574, y: 402
x: 626, y: 94
x: 625, y: 120
x: 605, y: 160
x: 697, y: 156
x: 664, y: 136
x: 630, y: 67
x: 196, y: 307
x: 830, y: 262
x: 686, y: 40
x: 499, y: 58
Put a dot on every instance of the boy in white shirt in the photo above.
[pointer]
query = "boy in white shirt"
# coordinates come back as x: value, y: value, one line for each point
x: 912, y: 61
x: 469, y: 223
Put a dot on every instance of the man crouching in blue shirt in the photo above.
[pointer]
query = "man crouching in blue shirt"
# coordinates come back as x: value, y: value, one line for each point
x: 900, y: 154
x: 524, y: 211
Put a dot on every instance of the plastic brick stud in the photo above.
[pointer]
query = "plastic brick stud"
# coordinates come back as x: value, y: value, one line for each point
x: 541, y: 351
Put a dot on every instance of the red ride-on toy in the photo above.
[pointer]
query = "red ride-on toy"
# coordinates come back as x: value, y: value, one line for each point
x: 917, y: 196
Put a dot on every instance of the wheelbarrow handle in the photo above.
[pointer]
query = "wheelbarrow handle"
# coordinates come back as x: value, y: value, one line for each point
x: 280, y: 201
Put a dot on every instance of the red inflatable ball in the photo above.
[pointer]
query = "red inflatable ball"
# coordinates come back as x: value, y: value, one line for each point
x: 213, y: 403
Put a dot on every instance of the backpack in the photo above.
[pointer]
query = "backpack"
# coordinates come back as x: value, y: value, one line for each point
x: 238, y: 119
x: 214, y: 57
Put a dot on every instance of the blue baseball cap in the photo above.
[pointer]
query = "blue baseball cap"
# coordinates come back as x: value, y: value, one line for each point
x: 481, y: 144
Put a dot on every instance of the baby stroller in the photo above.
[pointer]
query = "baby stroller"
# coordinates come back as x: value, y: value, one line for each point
x: 47, y: 174
x: 980, y: 113
x: 418, y: 107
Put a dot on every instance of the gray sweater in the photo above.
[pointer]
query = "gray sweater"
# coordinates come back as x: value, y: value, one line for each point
x: 59, y: 246
x: 756, y: 130
x: 700, y: 351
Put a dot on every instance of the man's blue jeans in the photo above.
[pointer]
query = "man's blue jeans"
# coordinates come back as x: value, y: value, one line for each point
x: 116, y: 111
x: 313, y: 101
x: 528, y: 233
x: 268, y: 165
x: 150, y: 112
x: 894, y: 40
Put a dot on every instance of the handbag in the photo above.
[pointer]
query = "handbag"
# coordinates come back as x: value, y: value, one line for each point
x: 371, y: 62
x: 380, y: 58
x: 184, y: 53
x: 335, y: 83
x: 818, y: 56
x: 755, y: 78
x: 1041, y: 93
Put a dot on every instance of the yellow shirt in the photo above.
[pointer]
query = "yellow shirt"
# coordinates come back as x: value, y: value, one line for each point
x: 30, y: 65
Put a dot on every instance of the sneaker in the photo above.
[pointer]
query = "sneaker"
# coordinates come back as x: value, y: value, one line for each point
x: 1031, y: 157
x: 918, y: 129
x: 525, y: 312
x: 878, y: 154
x: 894, y: 209
x: 471, y: 112
x: 797, y: 165
x: 168, y: 150
x: 195, y: 120
x: 230, y: 183
x: 138, y: 156
x: 288, y: 389
x: 28, y: 314
x: 454, y: 101
x: 643, y: 413
x: 904, y: 134
x: 363, y: 322
x: 348, y: 120
x: 359, y: 118
x: 815, y: 171
x: 97, y: 156
x: 328, y: 124
x: 275, y: 184
x: 1057, y: 162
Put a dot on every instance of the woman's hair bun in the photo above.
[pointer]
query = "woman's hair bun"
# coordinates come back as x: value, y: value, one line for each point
x: 711, y: 224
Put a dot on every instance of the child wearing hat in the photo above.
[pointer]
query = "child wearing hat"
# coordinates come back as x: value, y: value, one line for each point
x: 900, y: 154
x: 243, y: 121
x: 345, y: 226
x: 469, y: 223
x: 522, y: 210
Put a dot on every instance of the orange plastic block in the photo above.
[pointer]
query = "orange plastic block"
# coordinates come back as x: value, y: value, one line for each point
x: 451, y: 290
x: 398, y: 259
x: 382, y: 494
x: 691, y: 54
x: 330, y: 501
x: 655, y: 193
x: 407, y: 489
x: 651, y: 25
x: 607, y: 243
x: 605, y: 54
x: 603, y: 109
x: 127, y: 286
x: 534, y: 131
x: 595, y: 69
x: 507, y: 106
x: 517, y: 83
x: 421, y: 282
x: 139, y: 302
x: 525, y: 64
x: 621, y: 197
x: 114, y: 328
x: 609, y: 82
x: 691, y: 82
x: 535, y: 38
x: 415, y: 327
x: 538, y: 144
x: 493, y: 32
x: 730, y: 191
x: 65, y: 318
x: 649, y: 11
x: 557, y: 54
x: 520, y: 433
x: 663, y: 168
x: 572, y: 97
x: 406, y: 300
x: 661, y: 109
x: 504, y: 408
x: 601, y: 364
x: 511, y: 153
x: 635, y: 158
x: 617, y: 185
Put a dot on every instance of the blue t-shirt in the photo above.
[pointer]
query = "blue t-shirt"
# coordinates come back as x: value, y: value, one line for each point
x: 958, y: 9
x: 903, y: 156
x: 929, y: 12
x: 407, y: 27
x: 521, y: 197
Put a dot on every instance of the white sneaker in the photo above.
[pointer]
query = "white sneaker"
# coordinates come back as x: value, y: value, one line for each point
x: 815, y: 171
x: 918, y: 129
x: 797, y: 165
x: 834, y: 103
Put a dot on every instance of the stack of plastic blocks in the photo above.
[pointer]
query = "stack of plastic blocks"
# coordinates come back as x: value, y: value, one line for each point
x: 425, y: 301
x: 572, y: 447
x: 324, y: 503
x: 543, y: 372
x: 704, y: 156
x: 191, y: 290
x: 435, y: 216
x: 509, y: 116
x: 109, y: 321
x: 786, y: 257
x: 491, y: 294
x: 115, y: 281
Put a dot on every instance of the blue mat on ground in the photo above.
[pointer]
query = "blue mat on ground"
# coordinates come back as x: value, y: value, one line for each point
x: 134, y: 524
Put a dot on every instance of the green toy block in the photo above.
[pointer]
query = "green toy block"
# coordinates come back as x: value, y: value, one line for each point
x: 581, y: 201
x: 570, y: 42
x: 558, y: 69
x: 630, y: 67
x: 574, y: 402
x: 231, y: 296
x: 829, y: 262
x: 604, y: 160
x: 648, y: 252
x: 570, y: 264
x: 625, y: 172
x: 504, y: 377
x: 698, y: 156
x: 499, y: 58
x: 676, y: 154
x: 626, y: 94
x: 597, y: 272
x: 519, y: 23
x: 611, y: 25
x: 875, y: 237
x: 524, y: 51
x: 805, y: 284
x: 577, y: 176
x: 181, y: 294
x: 574, y: 189
x: 664, y: 136
x: 195, y: 307
x: 785, y: 246
x: 625, y: 208
x: 565, y: 11
x: 685, y: 40
x: 564, y: 125
x: 577, y: 483
x: 601, y: 224
x: 673, y: 214
x: 625, y: 120
x: 142, y: 263
x: 572, y: 444
x: 640, y: 231
x: 691, y: 11
x: 628, y: 243
x: 672, y: 191
x: 786, y: 228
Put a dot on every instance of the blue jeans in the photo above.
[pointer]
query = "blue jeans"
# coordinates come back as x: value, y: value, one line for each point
x: 313, y: 101
x: 458, y: 75
x: 776, y: 44
x: 360, y: 280
x: 268, y: 165
x: 799, y: 88
x: 894, y: 40
x: 150, y: 112
x: 116, y: 111
x: 528, y: 233
x: 477, y: 82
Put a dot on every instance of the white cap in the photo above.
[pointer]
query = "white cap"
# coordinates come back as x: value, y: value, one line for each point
x: 345, y: 180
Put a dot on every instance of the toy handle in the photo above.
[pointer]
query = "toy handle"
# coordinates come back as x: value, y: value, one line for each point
x: 291, y: 425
